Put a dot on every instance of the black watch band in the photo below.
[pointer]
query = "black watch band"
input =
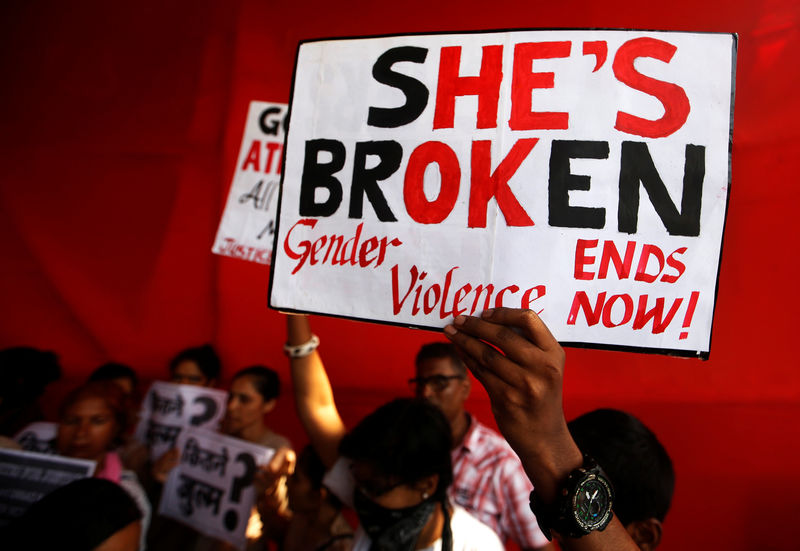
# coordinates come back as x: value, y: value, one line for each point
x: 583, y: 503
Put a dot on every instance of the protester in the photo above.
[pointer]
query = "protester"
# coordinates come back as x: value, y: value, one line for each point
x: 24, y: 374
x: 393, y: 468
x: 91, y: 423
x: 198, y: 366
x: 253, y: 394
x: 488, y: 479
x: 637, y: 462
x: 514, y: 356
x: 89, y: 514
x: 133, y: 453
x: 316, y: 521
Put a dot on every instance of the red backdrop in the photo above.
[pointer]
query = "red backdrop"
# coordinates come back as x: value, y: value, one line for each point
x: 120, y: 124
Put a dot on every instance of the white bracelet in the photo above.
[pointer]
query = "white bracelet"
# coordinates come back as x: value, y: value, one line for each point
x: 302, y: 350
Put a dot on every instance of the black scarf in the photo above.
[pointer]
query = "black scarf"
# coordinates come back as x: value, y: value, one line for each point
x: 398, y: 529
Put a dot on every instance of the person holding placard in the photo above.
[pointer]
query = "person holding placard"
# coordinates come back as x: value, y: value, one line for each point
x: 519, y: 362
x: 393, y: 468
x: 194, y: 366
x: 92, y: 420
x: 488, y: 479
x: 253, y: 394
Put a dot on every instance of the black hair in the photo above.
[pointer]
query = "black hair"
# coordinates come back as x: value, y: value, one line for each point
x: 435, y: 350
x: 205, y: 357
x: 81, y: 515
x: 113, y: 370
x: 24, y: 374
x: 634, y: 460
x: 264, y: 379
x: 404, y: 441
x: 26, y: 371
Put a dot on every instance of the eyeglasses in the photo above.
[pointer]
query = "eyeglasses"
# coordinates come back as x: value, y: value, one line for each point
x: 437, y: 382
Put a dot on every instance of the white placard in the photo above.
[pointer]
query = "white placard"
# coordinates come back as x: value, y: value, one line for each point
x: 248, y: 222
x: 211, y: 489
x: 26, y: 477
x: 38, y: 437
x: 167, y: 408
x: 581, y: 173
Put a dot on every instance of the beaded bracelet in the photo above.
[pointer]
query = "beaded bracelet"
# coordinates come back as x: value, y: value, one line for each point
x: 302, y: 350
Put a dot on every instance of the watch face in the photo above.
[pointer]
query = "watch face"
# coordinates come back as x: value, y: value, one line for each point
x: 592, y: 503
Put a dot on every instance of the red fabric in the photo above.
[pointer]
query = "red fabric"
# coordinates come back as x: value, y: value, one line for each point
x: 119, y: 127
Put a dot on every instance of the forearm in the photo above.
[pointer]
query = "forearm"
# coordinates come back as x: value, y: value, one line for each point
x: 313, y: 394
x: 521, y: 365
x: 547, y: 473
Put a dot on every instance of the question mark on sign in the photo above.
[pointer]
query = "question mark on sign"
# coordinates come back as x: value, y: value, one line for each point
x: 209, y: 409
x: 231, y: 519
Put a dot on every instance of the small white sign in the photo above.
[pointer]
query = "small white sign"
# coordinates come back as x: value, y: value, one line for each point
x: 211, y: 489
x: 26, y: 477
x: 247, y: 227
x: 168, y: 408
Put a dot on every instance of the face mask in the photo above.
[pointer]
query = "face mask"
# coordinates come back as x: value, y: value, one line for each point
x: 392, y: 529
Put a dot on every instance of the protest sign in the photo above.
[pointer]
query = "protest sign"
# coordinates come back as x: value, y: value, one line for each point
x: 38, y: 437
x: 583, y: 174
x: 26, y: 477
x: 248, y: 222
x: 168, y: 408
x: 211, y: 488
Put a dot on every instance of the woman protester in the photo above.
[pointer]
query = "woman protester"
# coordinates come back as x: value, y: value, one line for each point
x: 253, y: 394
x: 92, y: 420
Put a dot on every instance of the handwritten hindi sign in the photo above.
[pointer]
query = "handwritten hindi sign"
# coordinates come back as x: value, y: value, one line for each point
x: 211, y: 488
x: 583, y: 174
x: 168, y: 408
x: 26, y: 477
x: 38, y: 437
x: 248, y: 223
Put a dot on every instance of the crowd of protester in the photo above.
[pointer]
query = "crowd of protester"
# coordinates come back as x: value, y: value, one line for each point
x: 420, y: 472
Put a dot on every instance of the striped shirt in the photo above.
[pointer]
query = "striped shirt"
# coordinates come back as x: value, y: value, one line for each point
x: 489, y: 482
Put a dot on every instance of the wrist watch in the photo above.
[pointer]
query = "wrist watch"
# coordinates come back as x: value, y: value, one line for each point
x: 583, y: 503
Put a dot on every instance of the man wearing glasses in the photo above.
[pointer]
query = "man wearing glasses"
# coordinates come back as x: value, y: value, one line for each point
x: 488, y: 478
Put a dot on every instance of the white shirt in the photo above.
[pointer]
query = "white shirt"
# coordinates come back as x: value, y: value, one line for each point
x: 469, y: 534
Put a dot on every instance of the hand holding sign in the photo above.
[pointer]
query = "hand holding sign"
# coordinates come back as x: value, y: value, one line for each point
x: 211, y: 488
x: 270, y: 481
